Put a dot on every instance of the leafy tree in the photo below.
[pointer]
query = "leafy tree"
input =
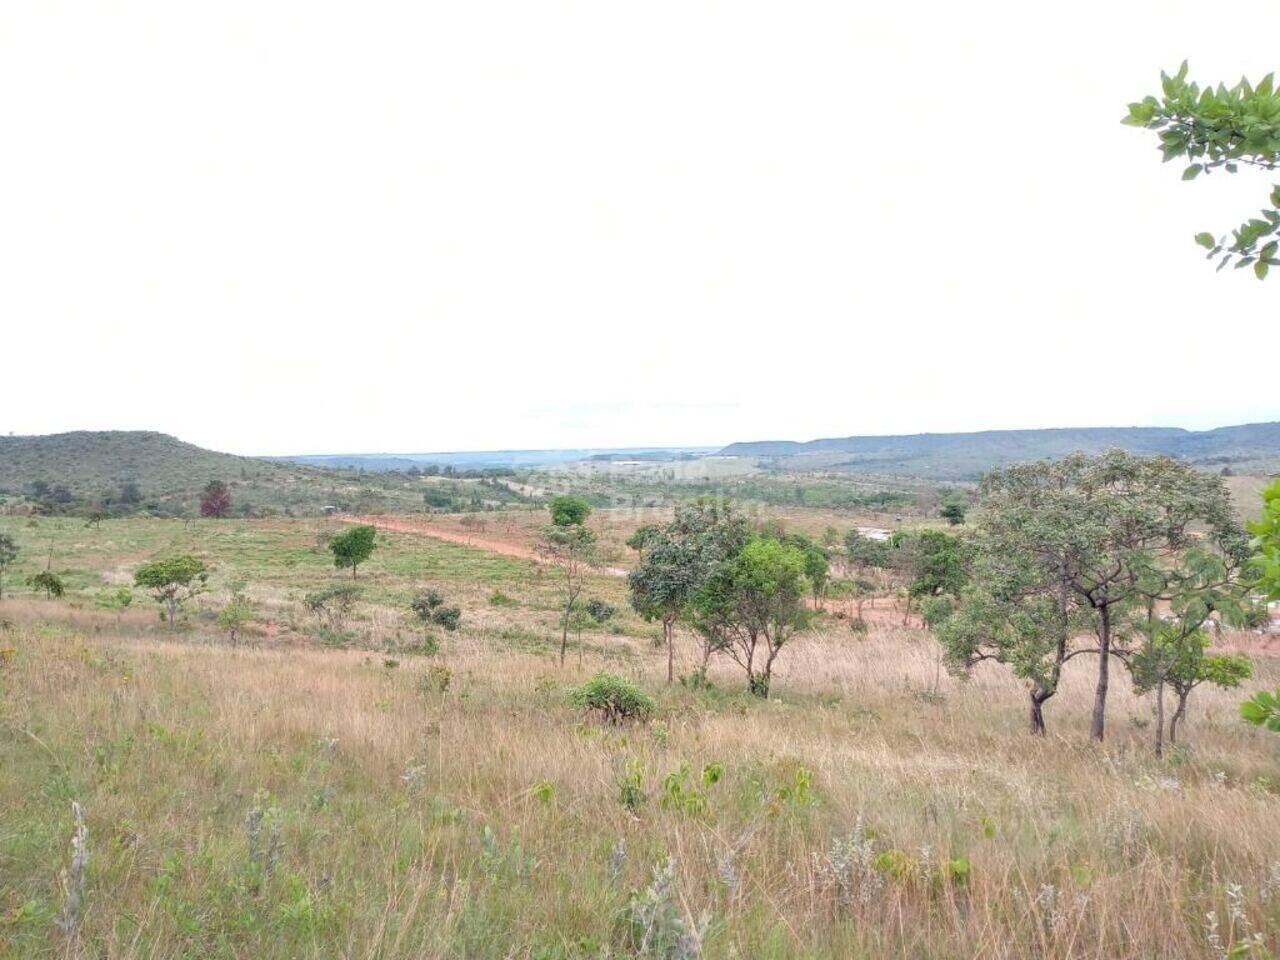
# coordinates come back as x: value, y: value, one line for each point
x: 953, y: 512
x: 1265, y: 565
x: 8, y: 553
x: 864, y: 553
x: 572, y: 549
x: 1110, y: 532
x: 173, y: 581
x: 1175, y: 655
x: 939, y: 564
x: 754, y: 605
x: 216, y: 500
x: 677, y: 558
x: 1263, y: 710
x: 130, y: 493
x: 569, y: 510
x: 237, y: 612
x: 353, y: 547
x: 430, y: 609
x: 817, y: 566
x: 642, y: 535
x: 1221, y: 128
x: 49, y: 582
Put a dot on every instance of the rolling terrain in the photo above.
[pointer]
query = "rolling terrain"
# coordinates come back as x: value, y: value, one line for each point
x: 1251, y: 448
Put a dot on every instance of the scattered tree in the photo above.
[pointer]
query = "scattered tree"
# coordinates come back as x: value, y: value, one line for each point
x: 572, y: 549
x: 49, y: 582
x: 754, y: 605
x: 677, y: 558
x: 172, y: 582
x: 1174, y: 655
x: 569, y: 510
x: 1111, y: 533
x: 953, y: 512
x: 1221, y: 128
x: 216, y: 500
x: 236, y: 614
x: 353, y: 547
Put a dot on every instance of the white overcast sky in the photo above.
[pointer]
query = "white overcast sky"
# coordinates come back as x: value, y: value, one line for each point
x: 272, y: 227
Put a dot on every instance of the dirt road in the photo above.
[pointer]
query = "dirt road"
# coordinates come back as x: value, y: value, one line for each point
x: 439, y: 531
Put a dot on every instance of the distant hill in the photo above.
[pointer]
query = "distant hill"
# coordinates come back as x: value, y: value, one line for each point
x: 129, y: 471
x: 1251, y: 447
x: 482, y: 459
x: 89, y: 463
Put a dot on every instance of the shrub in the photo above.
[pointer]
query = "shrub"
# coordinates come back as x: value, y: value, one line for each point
x: 599, y: 611
x: 333, y: 603
x: 614, y: 698
x: 49, y: 582
x: 430, y: 609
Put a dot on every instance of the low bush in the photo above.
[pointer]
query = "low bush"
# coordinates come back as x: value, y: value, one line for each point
x: 613, y: 698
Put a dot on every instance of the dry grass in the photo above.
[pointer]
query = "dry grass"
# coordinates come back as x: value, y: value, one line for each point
x: 381, y: 789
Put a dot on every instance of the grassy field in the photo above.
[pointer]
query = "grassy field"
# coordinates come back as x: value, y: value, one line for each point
x: 284, y: 800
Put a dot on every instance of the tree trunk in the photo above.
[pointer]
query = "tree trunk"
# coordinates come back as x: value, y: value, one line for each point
x: 564, y: 636
x: 1098, y: 728
x: 1178, y: 714
x: 1038, y: 697
x: 1160, y: 720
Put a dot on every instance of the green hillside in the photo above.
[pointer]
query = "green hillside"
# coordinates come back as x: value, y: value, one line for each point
x: 124, y: 472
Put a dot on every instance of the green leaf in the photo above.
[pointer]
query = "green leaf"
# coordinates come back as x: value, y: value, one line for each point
x: 1192, y: 171
x: 1260, y: 269
x: 1205, y: 240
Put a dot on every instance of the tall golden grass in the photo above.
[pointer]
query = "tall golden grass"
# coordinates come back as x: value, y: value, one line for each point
x: 480, y: 820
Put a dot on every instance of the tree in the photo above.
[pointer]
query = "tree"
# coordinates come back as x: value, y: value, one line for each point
x: 572, y: 549
x: 1175, y: 655
x: 8, y: 553
x: 817, y: 566
x: 1110, y: 532
x: 1221, y: 128
x: 569, y: 510
x: 1265, y: 565
x: 216, y: 500
x: 754, y: 605
x: 676, y: 559
x: 353, y: 547
x: 938, y: 563
x: 953, y: 512
x: 237, y: 612
x: 1200, y: 590
x: 1263, y: 710
x: 173, y: 581
x: 49, y: 582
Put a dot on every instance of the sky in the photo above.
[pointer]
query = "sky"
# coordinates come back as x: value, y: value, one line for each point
x: 276, y: 227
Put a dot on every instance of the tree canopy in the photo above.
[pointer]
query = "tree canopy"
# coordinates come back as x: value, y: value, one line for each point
x: 1220, y: 128
x: 353, y: 547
